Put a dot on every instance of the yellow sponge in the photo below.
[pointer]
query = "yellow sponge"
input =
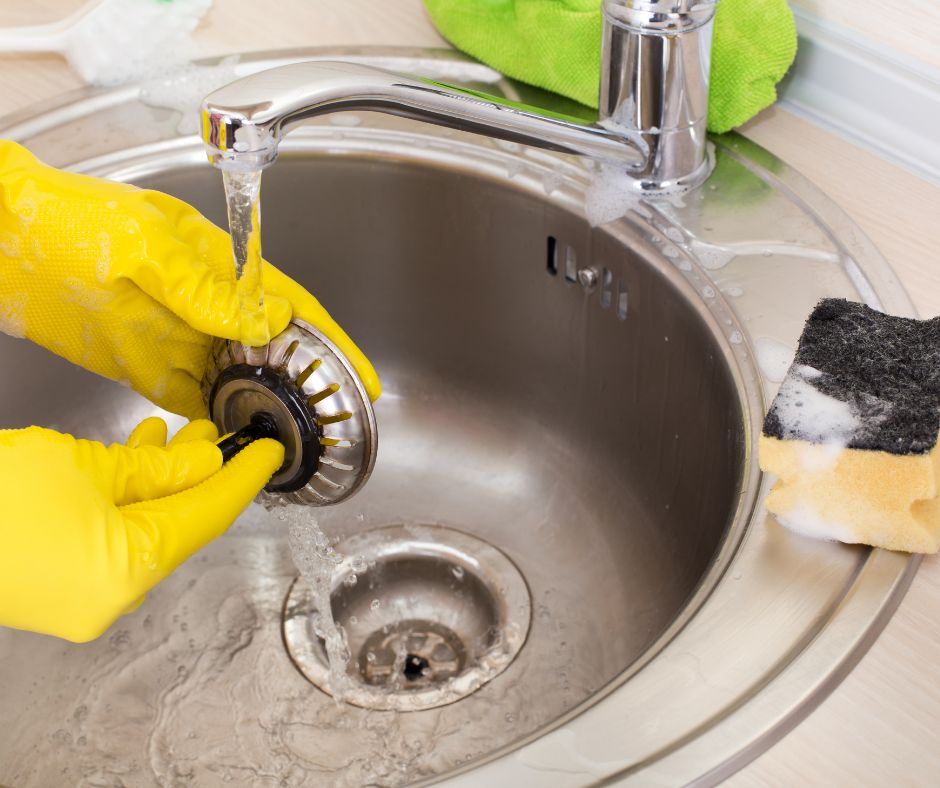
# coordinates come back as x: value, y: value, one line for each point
x: 860, y: 495
x: 853, y: 431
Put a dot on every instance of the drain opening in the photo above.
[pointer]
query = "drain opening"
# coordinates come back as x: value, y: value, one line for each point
x: 432, y: 615
x: 416, y: 667
x: 552, y: 264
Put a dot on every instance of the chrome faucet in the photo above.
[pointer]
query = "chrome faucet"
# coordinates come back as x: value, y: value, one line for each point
x: 653, y: 101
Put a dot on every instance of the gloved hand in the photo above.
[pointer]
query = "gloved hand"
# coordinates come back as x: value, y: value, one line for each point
x: 129, y: 283
x: 556, y: 45
x: 86, y: 529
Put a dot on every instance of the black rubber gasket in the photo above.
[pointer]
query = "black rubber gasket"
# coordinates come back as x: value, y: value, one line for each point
x: 292, y: 400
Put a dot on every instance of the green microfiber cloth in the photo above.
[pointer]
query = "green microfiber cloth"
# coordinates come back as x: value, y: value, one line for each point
x: 555, y: 44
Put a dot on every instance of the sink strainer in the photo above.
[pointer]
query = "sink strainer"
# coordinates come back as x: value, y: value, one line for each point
x: 429, y: 615
x: 307, y: 396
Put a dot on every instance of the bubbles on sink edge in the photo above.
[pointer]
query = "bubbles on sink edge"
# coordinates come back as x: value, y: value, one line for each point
x: 610, y: 195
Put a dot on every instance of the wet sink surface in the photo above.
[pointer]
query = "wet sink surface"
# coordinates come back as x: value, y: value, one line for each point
x: 599, y: 436
x: 516, y: 408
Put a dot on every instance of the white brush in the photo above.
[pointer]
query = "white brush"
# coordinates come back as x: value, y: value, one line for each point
x: 108, y: 42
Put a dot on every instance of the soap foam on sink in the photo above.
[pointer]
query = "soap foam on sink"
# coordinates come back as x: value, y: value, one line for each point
x: 803, y: 519
x: 610, y: 195
x: 773, y: 357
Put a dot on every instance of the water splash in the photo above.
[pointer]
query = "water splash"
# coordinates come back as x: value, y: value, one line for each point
x: 316, y: 559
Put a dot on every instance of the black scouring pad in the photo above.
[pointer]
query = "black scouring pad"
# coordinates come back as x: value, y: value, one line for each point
x: 887, y: 369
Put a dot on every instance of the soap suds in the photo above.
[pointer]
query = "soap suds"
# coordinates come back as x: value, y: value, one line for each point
x: 116, y: 43
x: 610, y: 195
x: 882, y: 369
x: 773, y: 357
x: 12, y: 321
x: 805, y: 413
x: 803, y: 519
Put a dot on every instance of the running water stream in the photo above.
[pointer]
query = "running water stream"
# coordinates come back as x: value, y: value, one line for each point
x: 316, y: 559
x: 310, y: 549
x: 243, y: 196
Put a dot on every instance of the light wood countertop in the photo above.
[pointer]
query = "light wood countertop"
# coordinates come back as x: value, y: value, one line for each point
x: 881, y: 726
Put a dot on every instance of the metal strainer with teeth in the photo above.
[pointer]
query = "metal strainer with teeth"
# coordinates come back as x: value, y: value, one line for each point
x: 302, y: 391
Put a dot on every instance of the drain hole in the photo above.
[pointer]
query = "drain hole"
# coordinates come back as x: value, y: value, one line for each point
x: 552, y: 256
x: 433, y: 615
x: 411, y: 654
x: 416, y: 667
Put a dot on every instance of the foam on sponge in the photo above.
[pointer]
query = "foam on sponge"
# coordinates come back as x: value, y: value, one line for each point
x: 853, y: 431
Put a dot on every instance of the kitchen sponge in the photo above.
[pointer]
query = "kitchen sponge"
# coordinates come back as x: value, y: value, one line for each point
x: 852, y: 433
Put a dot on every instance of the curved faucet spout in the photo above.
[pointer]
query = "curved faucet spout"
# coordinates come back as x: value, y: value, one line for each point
x: 242, y: 123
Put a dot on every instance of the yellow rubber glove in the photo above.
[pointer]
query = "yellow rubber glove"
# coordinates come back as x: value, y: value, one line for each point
x: 87, y: 529
x: 130, y: 283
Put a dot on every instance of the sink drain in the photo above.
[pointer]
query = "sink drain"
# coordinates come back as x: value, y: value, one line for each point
x: 429, y: 614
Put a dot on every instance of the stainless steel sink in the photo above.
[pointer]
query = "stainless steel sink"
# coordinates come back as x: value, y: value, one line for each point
x: 584, y: 399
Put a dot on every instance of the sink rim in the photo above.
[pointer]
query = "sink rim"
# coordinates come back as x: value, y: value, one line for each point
x: 737, y: 734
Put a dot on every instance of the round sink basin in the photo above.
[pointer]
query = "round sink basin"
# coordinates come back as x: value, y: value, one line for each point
x: 582, y: 401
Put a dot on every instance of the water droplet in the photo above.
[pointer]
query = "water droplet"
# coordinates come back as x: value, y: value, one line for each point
x: 708, y: 292
x: 375, y: 604
x: 458, y: 572
x: 350, y: 580
x: 734, y: 291
x: 736, y: 338
x: 370, y: 657
x: 510, y: 718
x: 360, y: 517
x: 353, y: 620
